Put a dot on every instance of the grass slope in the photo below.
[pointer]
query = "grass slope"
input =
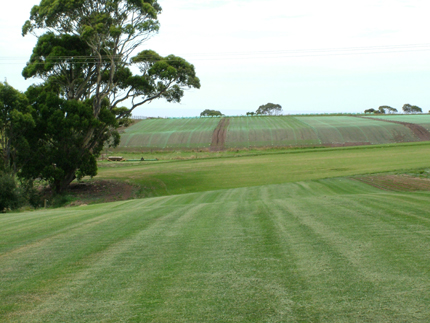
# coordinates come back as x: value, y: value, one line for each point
x: 165, y: 178
x: 331, y: 250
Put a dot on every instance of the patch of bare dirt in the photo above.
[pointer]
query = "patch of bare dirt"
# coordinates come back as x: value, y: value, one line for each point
x: 348, y: 144
x: 219, y: 135
x: 405, y: 183
x: 101, y: 191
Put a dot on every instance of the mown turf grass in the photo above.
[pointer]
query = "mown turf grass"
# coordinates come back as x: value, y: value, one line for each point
x: 333, y: 250
x: 165, y: 178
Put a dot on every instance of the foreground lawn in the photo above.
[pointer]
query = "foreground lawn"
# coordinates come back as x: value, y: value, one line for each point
x: 187, y: 176
x: 333, y: 250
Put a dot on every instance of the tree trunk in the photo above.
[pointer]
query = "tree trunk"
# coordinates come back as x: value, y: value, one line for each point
x: 61, y: 185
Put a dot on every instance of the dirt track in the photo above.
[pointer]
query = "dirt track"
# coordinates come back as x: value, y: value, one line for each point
x: 396, y: 182
x: 219, y: 135
x: 421, y: 132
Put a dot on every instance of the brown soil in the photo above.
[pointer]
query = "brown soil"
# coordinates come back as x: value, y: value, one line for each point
x: 348, y: 144
x: 219, y: 135
x: 422, y: 133
x: 98, y: 191
x: 396, y: 182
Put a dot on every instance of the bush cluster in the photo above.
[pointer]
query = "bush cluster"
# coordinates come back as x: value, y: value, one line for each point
x: 13, y: 196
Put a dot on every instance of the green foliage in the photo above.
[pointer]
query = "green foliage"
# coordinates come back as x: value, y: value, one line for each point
x: 387, y: 109
x: 85, y: 56
x: 9, y: 196
x: 269, y: 109
x: 104, y: 19
x: 15, y: 123
x: 407, y: 108
x: 58, y: 152
x: 211, y: 113
x: 371, y: 110
x: 29, y: 194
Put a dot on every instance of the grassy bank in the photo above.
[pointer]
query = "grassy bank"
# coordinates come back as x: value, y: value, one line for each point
x: 264, y: 167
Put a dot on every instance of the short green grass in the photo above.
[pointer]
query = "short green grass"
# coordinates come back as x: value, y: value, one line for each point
x: 268, y: 167
x: 271, y: 237
x: 333, y: 250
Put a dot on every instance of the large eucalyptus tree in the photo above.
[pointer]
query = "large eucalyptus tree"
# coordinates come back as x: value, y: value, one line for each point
x: 85, y: 53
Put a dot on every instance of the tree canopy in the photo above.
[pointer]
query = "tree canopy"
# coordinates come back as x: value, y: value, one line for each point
x: 86, y: 56
x: 15, y: 123
x: 269, y: 109
x: 211, y: 113
x: 407, y: 108
x: 387, y: 109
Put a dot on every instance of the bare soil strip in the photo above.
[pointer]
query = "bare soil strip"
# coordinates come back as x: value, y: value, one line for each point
x: 402, y: 183
x: 422, y: 133
x: 347, y: 144
x: 219, y: 135
x: 101, y: 191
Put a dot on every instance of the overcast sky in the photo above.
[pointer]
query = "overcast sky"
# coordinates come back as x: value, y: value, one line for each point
x: 308, y: 56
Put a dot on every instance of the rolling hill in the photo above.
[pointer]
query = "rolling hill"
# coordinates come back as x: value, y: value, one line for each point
x: 270, y: 131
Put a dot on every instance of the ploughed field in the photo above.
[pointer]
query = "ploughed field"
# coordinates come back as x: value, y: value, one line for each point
x: 420, y: 119
x: 305, y: 236
x: 271, y: 131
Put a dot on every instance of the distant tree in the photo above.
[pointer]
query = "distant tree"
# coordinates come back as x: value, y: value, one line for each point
x: 250, y: 113
x: 269, y: 109
x: 386, y: 108
x: 369, y: 110
x: 382, y: 109
x: 211, y: 113
x: 407, y: 108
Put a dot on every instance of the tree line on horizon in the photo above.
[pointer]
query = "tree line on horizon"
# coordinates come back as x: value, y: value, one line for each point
x: 384, y: 109
x: 265, y: 109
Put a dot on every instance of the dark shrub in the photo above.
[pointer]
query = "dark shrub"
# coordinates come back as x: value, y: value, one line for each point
x: 9, y: 196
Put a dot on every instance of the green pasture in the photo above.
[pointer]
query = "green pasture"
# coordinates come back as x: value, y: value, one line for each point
x: 421, y: 119
x: 280, y: 236
x: 332, y: 250
x: 198, y: 175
